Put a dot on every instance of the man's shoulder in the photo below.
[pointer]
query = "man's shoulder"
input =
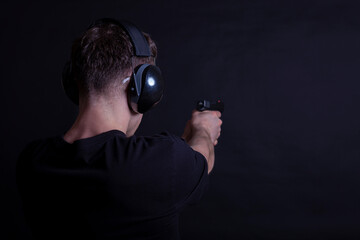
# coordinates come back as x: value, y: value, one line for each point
x: 171, y: 145
x: 164, y: 140
x: 163, y: 136
x: 37, y: 147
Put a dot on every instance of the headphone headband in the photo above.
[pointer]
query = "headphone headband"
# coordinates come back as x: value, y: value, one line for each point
x: 138, y: 40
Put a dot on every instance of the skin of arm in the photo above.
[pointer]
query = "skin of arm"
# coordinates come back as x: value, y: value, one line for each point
x: 201, y: 133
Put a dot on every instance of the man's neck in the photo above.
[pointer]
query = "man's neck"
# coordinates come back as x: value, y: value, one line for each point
x: 98, y: 117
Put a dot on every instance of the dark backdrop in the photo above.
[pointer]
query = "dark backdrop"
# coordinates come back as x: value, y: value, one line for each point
x: 287, y: 163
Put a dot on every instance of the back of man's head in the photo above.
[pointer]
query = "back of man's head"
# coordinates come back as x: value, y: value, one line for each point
x: 104, y: 55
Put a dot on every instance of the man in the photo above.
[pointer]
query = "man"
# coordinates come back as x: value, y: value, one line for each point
x: 99, y: 180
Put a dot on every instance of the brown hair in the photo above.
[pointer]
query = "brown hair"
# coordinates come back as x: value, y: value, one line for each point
x: 103, y: 55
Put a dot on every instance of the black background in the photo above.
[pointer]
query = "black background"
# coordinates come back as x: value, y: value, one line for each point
x: 287, y: 163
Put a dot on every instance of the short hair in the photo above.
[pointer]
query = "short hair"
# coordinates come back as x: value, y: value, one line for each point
x: 103, y: 55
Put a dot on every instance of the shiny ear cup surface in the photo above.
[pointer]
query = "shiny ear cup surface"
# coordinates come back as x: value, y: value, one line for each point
x: 69, y: 84
x: 146, y: 88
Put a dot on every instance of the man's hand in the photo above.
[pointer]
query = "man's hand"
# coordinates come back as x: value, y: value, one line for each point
x: 202, y: 132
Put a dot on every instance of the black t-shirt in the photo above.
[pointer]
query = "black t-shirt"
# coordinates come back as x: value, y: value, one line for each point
x: 109, y: 186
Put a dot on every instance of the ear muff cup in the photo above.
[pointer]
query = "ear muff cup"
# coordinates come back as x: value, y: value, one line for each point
x: 146, y: 88
x: 69, y: 84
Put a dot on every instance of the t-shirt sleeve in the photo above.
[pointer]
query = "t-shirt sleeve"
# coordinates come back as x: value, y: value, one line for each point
x: 191, y: 174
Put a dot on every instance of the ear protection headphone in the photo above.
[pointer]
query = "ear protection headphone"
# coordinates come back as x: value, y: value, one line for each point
x: 146, y: 85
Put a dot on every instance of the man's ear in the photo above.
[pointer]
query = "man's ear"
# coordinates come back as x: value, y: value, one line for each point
x: 125, y: 81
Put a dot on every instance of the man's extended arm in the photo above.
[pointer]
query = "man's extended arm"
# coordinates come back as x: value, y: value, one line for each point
x: 201, y: 133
